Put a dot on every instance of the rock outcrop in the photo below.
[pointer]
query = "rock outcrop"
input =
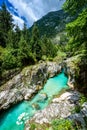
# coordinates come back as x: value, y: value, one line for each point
x: 60, y: 108
x: 76, y: 69
x: 24, y: 85
x: 10, y: 97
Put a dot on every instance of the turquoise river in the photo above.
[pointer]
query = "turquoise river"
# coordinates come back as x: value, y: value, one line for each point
x: 14, y: 118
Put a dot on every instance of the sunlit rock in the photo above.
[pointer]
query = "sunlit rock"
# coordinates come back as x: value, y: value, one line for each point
x: 36, y: 106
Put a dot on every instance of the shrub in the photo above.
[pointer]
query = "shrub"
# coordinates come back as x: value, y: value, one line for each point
x: 62, y: 124
x: 32, y: 126
x: 9, y: 61
x: 83, y: 99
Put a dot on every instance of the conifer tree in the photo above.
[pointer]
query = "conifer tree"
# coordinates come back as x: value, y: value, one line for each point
x: 5, y: 24
x: 35, y: 42
x: 26, y: 33
x: 48, y: 48
x: 17, y: 36
x: 25, y: 57
x: 77, y: 29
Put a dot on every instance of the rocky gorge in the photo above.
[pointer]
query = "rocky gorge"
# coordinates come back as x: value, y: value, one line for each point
x: 30, y: 80
x: 62, y: 107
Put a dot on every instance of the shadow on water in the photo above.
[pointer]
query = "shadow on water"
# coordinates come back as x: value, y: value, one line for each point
x: 4, y: 113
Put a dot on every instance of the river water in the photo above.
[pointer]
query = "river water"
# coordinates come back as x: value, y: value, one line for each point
x: 14, y: 118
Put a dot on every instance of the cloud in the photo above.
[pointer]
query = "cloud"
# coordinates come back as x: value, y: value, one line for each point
x: 18, y: 21
x: 32, y: 10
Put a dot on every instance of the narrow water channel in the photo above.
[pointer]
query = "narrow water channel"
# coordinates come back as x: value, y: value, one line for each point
x: 14, y: 118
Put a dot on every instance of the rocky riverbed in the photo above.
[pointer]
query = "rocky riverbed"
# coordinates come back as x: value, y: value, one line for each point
x: 31, y: 79
x: 62, y: 107
x: 28, y: 82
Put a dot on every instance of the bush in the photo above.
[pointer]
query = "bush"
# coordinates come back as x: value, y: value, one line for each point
x: 9, y: 61
x: 62, y: 124
x: 83, y: 99
x: 32, y: 126
x: 60, y: 56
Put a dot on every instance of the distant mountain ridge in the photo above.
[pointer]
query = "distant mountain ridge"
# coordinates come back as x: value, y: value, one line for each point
x: 53, y: 23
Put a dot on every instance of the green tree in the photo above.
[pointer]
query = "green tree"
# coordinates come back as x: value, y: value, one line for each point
x: 26, y: 33
x: 25, y: 56
x: 10, y: 39
x: 5, y: 24
x: 64, y: 124
x: 77, y: 29
x: 35, y: 42
x: 48, y: 48
x: 9, y: 61
x: 74, y: 6
x: 17, y: 35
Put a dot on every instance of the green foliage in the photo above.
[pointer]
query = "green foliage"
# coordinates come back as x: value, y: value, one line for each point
x: 35, y: 42
x: 6, y: 24
x: 73, y: 6
x: 76, y: 109
x: 17, y: 35
x: 25, y: 57
x: 26, y: 33
x: 1, y: 59
x: 60, y: 56
x: 10, y: 39
x: 48, y: 49
x: 21, y: 48
x: 62, y: 124
x: 52, y: 23
x: 9, y: 61
x: 32, y: 126
x: 77, y: 30
x: 83, y: 99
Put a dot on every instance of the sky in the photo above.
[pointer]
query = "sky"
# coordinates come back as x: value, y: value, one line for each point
x: 29, y: 11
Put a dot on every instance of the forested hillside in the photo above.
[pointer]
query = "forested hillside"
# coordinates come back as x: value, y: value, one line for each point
x: 53, y: 23
x: 19, y: 48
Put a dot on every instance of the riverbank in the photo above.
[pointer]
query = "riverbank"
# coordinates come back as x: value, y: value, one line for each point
x: 26, y: 109
x: 31, y: 79
x: 28, y: 82
x: 67, y: 106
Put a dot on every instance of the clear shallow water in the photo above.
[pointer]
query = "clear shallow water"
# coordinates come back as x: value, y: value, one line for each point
x: 14, y: 118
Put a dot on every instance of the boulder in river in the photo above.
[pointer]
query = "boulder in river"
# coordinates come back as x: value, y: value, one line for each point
x: 36, y: 106
x: 42, y: 96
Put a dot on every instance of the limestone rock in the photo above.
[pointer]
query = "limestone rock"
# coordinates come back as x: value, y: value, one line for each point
x: 7, y: 98
x: 60, y: 107
x: 43, y: 96
x: 84, y: 109
x: 35, y: 106
x: 53, y: 68
x: 78, y: 119
x: 24, y: 85
x: 29, y: 93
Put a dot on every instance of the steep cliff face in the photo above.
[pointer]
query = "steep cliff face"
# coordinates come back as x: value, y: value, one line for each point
x: 77, y: 72
x: 81, y: 80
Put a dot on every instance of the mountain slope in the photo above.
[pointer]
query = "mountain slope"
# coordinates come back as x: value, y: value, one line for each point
x: 53, y: 23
